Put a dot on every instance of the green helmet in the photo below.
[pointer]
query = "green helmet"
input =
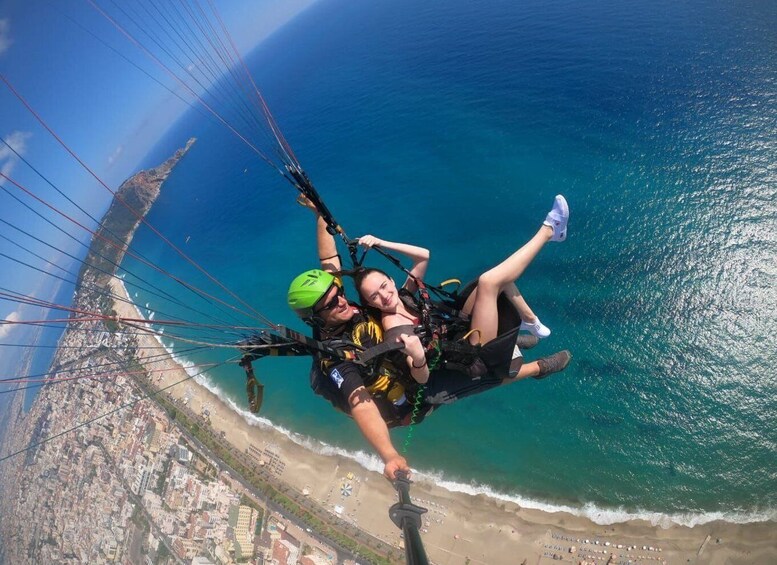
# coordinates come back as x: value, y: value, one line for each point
x: 307, y: 289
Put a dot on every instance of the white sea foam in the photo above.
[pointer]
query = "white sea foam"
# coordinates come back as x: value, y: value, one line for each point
x: 603, y: 516
x: 191, y: 368
x: 160, y: 331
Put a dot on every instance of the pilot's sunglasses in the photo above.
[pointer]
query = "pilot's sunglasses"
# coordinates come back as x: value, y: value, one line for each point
x: 332, y: 302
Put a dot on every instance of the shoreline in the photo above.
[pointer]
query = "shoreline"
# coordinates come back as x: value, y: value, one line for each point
x: 599, y: 516
x: 460, y: 527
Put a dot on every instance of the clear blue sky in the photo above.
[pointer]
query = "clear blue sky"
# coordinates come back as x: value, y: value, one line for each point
x: 106, y: 110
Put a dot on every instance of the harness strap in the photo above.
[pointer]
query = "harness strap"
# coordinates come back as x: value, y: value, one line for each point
x: 305, y: 186
x: 316, y: 345
x: 301, y: 181
x: 463, y: 347
x: 289, y: 343
x: 363, y: 357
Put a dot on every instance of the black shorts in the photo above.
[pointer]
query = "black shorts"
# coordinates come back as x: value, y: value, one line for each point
x: 446, y: 386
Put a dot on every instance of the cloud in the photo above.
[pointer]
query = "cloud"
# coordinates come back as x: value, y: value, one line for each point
x: 5, y: 329
x: 8, y: 159
x: 18, y: 141
x: 5, y: 35
x: 6, y: 169
x: 115, y: 155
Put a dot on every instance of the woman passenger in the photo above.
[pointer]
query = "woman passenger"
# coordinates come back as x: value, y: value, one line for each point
x: 379, y: 291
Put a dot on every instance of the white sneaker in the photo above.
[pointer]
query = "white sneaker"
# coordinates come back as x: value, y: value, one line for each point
x: 557, y: 218
x: 536, y: 328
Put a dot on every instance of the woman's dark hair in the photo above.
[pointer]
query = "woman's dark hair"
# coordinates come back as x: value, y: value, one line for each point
x: 361, y: 273
x: 358, y: 275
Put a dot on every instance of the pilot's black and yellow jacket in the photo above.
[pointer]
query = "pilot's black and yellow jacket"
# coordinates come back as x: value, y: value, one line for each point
x: 386, y: 378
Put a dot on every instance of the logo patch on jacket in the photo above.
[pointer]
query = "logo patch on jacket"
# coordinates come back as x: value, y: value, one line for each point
x: 336, y: 377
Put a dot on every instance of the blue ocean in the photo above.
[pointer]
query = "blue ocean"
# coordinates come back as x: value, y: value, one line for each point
x: 453, y: 125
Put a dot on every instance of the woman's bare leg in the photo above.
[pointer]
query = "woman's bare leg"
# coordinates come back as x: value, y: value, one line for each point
x: 485, y: 317
x: 519, y: 302
x: 515, y: 297
x: 469, y: 304
x: 529, y: 320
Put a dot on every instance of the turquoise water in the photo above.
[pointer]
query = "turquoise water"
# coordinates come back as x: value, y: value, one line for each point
x: 452, y: 125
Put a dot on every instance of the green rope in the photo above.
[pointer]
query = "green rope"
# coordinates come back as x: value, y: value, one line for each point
x: 433, y: 355
x: 413, y: 416
x: 434, y: 358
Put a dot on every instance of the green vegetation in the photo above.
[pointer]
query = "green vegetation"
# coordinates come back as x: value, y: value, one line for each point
x: 112, y: 325
x: 160, y: 482
x: 139, y: 519
x: 135, y: 368
x: 162, y: 554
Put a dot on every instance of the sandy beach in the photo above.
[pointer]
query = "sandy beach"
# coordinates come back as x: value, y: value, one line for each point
x: 460, y: 528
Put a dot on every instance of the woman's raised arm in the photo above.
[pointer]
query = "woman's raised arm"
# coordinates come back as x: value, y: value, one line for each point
x: 419, y: 256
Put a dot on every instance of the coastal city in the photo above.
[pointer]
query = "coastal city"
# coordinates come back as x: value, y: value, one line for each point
x: 132, y: 487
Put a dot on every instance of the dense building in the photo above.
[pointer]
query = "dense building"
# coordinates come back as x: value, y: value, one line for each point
x: 242, y: 520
